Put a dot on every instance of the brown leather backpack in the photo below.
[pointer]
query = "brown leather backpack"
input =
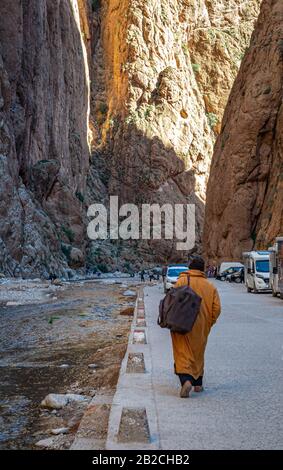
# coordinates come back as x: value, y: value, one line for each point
x: 179, y: 309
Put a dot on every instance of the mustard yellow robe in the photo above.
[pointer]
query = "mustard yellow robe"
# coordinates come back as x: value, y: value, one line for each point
x: 188, y: 350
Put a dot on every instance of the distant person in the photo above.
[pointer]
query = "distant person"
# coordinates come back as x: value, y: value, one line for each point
x: 142, y: 276
x: 189, y: 349
x: 216, y: 272
x: 212, y: 271
x: 208, y: 271
x: 164, y: 272
x: 151, y: 276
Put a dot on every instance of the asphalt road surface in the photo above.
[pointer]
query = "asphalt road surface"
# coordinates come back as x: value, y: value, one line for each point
x: 241, y: 407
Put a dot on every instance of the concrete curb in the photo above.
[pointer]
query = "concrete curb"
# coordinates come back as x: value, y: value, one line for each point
x: 87, y: 437
x: 134, y: 392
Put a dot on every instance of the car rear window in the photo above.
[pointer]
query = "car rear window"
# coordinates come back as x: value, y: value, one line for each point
x: 174, y: 272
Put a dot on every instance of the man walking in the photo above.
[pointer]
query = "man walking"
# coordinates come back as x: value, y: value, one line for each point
x: 189, y: 349
x: 164, y: 272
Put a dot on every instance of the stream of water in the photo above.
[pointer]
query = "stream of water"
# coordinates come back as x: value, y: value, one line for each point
x: 46, y: 347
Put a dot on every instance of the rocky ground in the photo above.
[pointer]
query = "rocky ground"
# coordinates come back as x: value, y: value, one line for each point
x: 69, y: 338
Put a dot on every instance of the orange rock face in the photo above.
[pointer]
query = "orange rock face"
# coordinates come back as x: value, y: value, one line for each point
x: 244, y: 198
x: 168, y: 68
x: 102, y: 98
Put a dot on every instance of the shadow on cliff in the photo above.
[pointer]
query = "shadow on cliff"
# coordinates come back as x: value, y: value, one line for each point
x: 142, y: 170
x: 45, y: 109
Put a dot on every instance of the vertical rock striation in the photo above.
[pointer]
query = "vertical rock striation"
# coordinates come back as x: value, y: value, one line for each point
x: 244, y: 199
x: 44, y: 154
x: 142, y: 83
x: 167, y: 69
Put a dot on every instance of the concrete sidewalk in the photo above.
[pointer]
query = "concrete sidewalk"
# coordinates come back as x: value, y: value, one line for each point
x: 242, y: 403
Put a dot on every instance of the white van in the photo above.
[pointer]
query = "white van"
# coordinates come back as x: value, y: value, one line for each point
x: 172, y: 275
x: 276, y: 267
x: 256, y: 270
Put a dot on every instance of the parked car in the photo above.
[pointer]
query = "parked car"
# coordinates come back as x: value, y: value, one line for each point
x: 228, y: 272
x: 238, y: 276
x: 172, y: 275
x: 227, y: 265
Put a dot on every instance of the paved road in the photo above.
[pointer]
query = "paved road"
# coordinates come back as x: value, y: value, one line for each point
x: 241, y: 407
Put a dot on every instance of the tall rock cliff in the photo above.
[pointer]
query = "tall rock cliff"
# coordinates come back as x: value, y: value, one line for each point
x: 44, y: 154
x: 244, y: 199
x: 107, y: 97
x: 166, y: 69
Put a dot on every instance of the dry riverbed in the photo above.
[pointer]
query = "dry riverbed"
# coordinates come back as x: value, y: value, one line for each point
x: 57, y: 339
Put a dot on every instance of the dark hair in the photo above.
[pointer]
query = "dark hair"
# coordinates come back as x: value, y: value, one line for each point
x: 196, y: 262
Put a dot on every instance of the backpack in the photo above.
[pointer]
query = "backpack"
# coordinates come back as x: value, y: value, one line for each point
x: 179, y: 309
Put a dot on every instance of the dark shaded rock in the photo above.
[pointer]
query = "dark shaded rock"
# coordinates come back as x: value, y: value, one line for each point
x: 244, y: 197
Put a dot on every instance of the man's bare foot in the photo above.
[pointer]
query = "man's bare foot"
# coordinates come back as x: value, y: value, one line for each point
x: 186, y: 389
x: 198, y: 388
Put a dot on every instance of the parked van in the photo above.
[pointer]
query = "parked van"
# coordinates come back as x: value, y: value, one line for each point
x: 173, y: 272
x: 276, y: 267
x: 256, y: 270
x: 226, y: 265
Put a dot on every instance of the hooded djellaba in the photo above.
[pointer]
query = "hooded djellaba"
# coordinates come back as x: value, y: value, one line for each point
x: 189, y: 349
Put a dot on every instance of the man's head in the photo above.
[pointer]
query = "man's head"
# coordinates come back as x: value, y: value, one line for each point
x: 196, y: 262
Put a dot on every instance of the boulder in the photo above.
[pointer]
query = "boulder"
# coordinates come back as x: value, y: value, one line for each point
x: 129, y: 293
x: 57, y: 282
x: 128, y: 312
x: 57, y: 401
x: 58, y: 431
x: 46, y: 443
x: 77, y: 258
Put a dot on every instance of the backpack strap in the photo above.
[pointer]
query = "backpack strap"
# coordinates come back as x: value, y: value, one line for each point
x: 189, y: 279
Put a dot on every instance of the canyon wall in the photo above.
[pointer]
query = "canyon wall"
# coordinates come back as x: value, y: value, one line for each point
x: 244, y: 199
x: 108, y: 97
x: 167, y: 70
x: 44, y: 152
